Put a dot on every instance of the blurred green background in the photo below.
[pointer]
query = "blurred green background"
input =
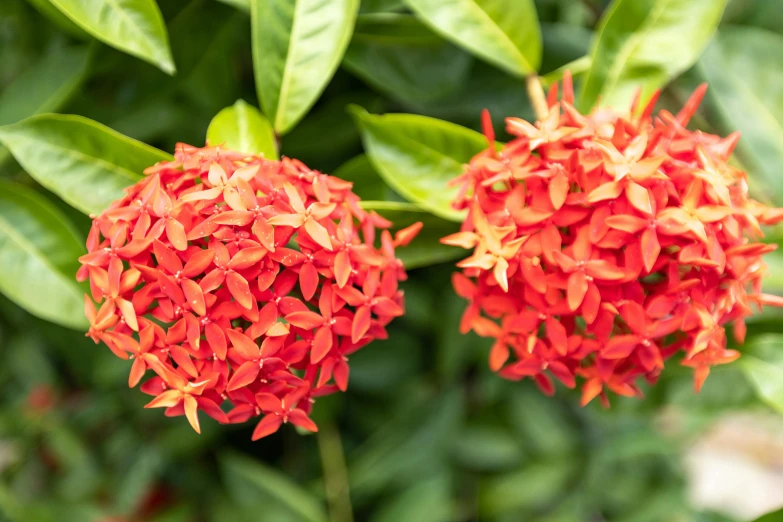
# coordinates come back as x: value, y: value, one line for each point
x: 425, y: 432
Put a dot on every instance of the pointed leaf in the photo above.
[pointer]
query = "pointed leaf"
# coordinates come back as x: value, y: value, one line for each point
x: 646, y: 43
x: 505, y: 33
x: 38, y: 252
x: 417, y: 156
x: 133, y: 26
x: 297, y: 46
x: 85, y: 163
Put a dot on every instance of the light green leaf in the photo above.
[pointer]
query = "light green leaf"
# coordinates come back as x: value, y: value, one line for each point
x: 763, y: 366
x: 746, y: 94
x: 505, y: 33
x: 273, y: 483
x: 576, y: 68
x: 297, y: 47
x: 417, y: 156
x: 404, y: 59
x: 85, y: 163
x: 243, y: 128
x: 381, y: 6
x: 426, y: 248
x: 644, y: 44
x: 38, y: 252
x: 44, y: 87
x: 132, y: 26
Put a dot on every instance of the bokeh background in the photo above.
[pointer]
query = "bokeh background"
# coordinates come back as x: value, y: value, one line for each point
x: 425, y: 432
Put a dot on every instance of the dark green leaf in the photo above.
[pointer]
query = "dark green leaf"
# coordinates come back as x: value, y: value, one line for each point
x: 38, y: 252
x: 424, y: 501
x: 402, y: 58
x: 133, y: 26
x: 505, y: 33
x: 297, y: 46
x: 44, y: 87
x: 426, y: 248
x: 417, y: 156
x: 644, y: 44
x: 486, y: 448
x: 241, y: 127
x: 273, y: 483
x: 82, y: 161
x: 535, y: 485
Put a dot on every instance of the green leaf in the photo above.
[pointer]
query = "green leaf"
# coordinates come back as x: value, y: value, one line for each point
x: 505, y: 33
x: 426, y: 248
x: 50, y: 12
x: 273, y: 483
x: 644, y: 44
x: 746, y: 95
x: 417, y: 156
x: 379, y: 6
x: 297, y: 46
x: 423, y: 501
x: 132, y: 26
x: 38, y: 252
x: 85, y: 163
x: 244, y: 5
x: 532, y: 486
x: 399, y: 56
x: 764, y: 369
x: 44, y: 87
x: 486, y: 448
x: 367, y: 183
x: 243, y: 128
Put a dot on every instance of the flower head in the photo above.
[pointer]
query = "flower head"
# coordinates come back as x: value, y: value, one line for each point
x: 240, y: 283
x: 604, y: 244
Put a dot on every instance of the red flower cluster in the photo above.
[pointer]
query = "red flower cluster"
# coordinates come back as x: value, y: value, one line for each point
x: 606, y: 244
x: 240, y: 281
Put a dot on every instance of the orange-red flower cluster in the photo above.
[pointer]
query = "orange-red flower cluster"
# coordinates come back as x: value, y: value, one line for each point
x: 241, y: 282
x: 604, y: 244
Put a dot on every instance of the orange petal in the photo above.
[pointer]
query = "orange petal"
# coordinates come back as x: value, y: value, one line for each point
x: 299, y: 418
x: 361, y: 323
x: 639, y: 197
x: 318, y: 232
x: 243, y: 376
x: 267, y: 426
x: 195, y: 296
x: 240, y: 289
x: 322, y: 343
x: 577, y: 288
x: 308, y: 280
x: 651, y: 248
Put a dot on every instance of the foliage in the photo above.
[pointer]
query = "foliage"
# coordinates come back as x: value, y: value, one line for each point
x: 386, y: 94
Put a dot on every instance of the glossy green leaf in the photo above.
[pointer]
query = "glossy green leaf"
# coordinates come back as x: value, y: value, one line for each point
x: 426, y: 248
x: 367, y: 183
x: 381, y: 6
x: 54, y: 15
x: 297, y: 46
x: 763, y: 367
x: 244, y: 5
x: 746, y: 95
x: 275, y: 484
x: 399, y: 56
x: 644, y: 44
x: 417, y: 156
x: 85, y: 163
x: 133, y: 26
x: 38, y: 252
x: 505, y: 33
x: 243, y: 128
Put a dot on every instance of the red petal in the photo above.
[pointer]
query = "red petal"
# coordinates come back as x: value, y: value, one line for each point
x: 240, y: 289
x: 300, y: 418
x: 620, y: 346
x: 244, y: 375
x: 216, y: 339
x: 342, y: 268
x: 577, y: 288
x: 267, y: 426
x: 322, y: 343
x: 361, y: 323
x: 308, y: 280
x: 306, y: 320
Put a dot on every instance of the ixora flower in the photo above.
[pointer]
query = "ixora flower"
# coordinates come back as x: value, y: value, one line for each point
x: 242, y: 283
x: 605, y: 244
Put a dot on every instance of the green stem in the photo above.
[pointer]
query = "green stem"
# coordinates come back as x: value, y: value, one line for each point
x: 335, y: 474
